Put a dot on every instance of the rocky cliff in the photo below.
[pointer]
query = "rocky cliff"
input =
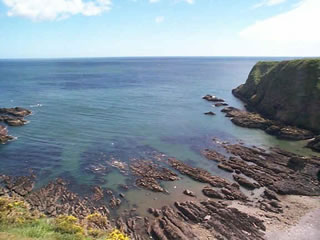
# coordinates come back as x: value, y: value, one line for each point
x: 288, y: 91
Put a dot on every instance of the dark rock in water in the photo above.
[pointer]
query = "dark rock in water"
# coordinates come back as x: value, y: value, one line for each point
x: 20, y: 185
x: 210, y: 113
x: 150, y: 184
x: 220, y: 104
x: 98, y: 193
x: 13, y: 121
x: 150, y: 173
x: 17, y: 111
x: 231, y: 190
x: 114, y: 202
x: 254, y: 120
x: 314, y: 144
x: 4, y: 137
x: 189, y: 193
x: 214, y: 155
x: 211, y: 98
x: 245, y: 182
x: 12, y: 117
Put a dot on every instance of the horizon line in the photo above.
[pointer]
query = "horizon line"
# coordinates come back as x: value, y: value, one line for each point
x: 60, y: 58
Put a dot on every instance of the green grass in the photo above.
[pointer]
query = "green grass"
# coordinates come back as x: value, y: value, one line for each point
x: 41, y: 229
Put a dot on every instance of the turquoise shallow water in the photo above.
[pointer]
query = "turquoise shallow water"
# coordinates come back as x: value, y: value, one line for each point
x: 86, y: 111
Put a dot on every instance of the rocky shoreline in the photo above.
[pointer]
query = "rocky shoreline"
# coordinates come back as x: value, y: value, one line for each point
x: 12, y: 117
x: 262, y: 178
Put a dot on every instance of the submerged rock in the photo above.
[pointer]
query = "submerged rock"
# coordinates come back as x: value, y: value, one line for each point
x: 210, y: 113
x: 150, y: 173
x: 220, y: 104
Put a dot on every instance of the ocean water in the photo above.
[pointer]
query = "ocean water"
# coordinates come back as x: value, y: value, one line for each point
x: 90, y: 111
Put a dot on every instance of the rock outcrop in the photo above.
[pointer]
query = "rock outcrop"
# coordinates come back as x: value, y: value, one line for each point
x: 12, y: 117
x: 4, y: 137
x: 287, y: 91
x: 247, y: 119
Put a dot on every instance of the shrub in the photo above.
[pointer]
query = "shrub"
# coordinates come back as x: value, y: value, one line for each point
x: 117, y: 235
x: 68, y: 224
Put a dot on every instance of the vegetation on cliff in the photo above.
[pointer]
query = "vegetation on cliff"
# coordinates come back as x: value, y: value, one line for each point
x: 288, y: 91
x: 17, y: 221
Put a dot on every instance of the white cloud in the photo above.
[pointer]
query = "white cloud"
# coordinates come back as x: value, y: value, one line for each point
x: 297, y: 25
x: 154, y: 1
x: 55, y: 9
x: 159, y: 19
x: 269, y: 3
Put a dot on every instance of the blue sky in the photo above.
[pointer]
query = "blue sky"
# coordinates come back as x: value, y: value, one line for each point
x: 107, y: 28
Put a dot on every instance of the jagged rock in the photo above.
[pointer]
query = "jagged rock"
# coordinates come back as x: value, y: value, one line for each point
x: 189, y: 193
x: 314, y: 144
x: 225, y: 167
x: 4, y: 137
x: 296, y: 163
x: 286, y: 91
x: 150, y: 184
x: 17, y: 111
x: 198, y: 174
x: 211, y: 98
x: 270, y: 169
x: 150, y: 173
x: 254, y: 120
x: 245, y: 182
x: 20, y: 185
x: 271, y: 195
x: 97, y: 193
x: 214, y: 155
x: 211, y: 193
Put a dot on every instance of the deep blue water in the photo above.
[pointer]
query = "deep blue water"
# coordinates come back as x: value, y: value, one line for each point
x: 86, y: 111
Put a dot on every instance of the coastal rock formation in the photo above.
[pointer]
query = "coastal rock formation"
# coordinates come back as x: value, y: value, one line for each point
x: 287, y: 91
x: 227, y: 189
x: 211, y: 98
x: 276, y: 169
x: 12, y: 117
x: 247, y: 119
x: 4, y: 137
x: 210, y: 113
x: 314, y: 144
x: 53, y: 199
x: 149, y: 173
x: 16, y: 112
x: 187, y: 219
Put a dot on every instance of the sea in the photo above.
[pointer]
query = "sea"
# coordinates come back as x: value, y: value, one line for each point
x: 89, y: 113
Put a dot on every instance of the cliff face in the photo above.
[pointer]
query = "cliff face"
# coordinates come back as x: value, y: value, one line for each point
x: 287, y: 91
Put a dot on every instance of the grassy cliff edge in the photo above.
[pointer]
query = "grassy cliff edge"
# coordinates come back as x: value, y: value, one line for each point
x: 288, y: 91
